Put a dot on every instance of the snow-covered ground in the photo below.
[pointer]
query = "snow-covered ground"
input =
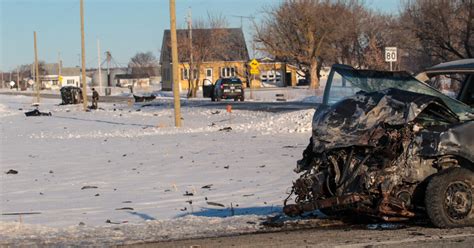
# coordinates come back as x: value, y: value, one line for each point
x: 129, y: 167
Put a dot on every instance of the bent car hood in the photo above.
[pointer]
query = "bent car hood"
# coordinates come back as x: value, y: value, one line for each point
x: 352, y: 121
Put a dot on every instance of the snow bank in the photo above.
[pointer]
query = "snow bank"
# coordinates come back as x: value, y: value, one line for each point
x: 291, y: 122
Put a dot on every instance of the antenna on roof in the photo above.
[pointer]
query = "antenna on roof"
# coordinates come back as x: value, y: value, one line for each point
x: 242, y: 18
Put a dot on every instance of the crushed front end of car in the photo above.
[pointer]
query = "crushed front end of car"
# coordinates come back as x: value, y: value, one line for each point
x: 373, y: 154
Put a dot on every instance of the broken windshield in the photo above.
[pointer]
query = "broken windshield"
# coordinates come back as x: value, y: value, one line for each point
x: 345, y: 81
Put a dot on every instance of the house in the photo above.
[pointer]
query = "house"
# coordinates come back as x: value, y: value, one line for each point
x: 132, y: 80
x: 275, y: 73
x: 55, y: 77
x: 223, y: 59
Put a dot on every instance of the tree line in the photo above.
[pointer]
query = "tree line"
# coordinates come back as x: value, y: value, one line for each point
x: 316, y: 33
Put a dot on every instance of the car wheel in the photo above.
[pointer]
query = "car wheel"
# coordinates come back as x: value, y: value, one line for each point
x: 213, y: 99
x: 449, y: 196
x: 242, y: 98
x: 236, y: 99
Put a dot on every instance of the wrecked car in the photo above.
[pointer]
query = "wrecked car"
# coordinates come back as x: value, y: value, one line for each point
x: 71, y: 95
x: 387, y: 146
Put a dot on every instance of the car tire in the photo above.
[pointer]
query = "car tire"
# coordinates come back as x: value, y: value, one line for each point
x: 242, y: 98
x: 449, y: 198
x: 213, y: 99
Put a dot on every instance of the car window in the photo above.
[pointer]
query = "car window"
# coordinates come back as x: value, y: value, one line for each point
x: 340, y: 88
x: 371, y: 81
x: 449, y: 85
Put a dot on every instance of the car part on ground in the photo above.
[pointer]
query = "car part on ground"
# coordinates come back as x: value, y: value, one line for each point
x: 36, y: 112
x: 390, y: 154
x: 148, y: 98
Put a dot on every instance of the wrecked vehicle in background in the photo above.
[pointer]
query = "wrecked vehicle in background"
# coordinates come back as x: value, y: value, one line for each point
x: 393, y: 148
x: 71, y: 95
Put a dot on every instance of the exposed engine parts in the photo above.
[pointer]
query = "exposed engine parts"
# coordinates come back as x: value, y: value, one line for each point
x: 374, y: 153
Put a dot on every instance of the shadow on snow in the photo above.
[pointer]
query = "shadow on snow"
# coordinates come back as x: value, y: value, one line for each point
x: 227, y: 212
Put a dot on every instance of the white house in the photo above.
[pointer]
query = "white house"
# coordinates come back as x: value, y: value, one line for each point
x: 68, y: 76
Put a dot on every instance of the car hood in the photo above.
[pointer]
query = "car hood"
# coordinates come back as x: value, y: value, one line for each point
x: 354, y: 120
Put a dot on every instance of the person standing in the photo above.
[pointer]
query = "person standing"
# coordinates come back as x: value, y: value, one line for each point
x: 95, y: 98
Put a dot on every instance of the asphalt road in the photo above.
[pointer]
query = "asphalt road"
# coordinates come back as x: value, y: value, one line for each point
x: 246, y: 105
x: 57, y: 96
x: 338, y: 236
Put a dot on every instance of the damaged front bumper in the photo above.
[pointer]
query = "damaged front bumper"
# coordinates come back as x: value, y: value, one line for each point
x: 338, y: 201
x: 388, y: 209
x: 373, y: 153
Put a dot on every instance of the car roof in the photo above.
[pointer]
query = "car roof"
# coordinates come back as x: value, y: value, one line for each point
x: 457, y: 66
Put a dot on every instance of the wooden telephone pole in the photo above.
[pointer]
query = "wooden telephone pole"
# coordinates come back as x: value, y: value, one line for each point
x: 99, y: 68
x: 37, y: 76
x: 83, y: 57
x: 17, y: 78
x: 174, y: 56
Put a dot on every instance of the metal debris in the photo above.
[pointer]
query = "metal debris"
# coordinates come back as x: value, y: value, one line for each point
x: 370, y: 153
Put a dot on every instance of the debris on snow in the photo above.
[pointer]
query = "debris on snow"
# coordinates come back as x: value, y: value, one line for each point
x: 11, y: 171
x: 215, y: 204
x: 124, y: 208
x: 208, y: 186
x: 89, y: 187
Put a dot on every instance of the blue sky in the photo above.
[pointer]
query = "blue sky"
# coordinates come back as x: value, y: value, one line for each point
x: 124, y: 27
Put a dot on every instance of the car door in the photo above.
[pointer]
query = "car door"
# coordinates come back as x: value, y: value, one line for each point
x: 207, y: 88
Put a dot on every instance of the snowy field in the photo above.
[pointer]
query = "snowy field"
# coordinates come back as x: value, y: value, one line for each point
x: 125, y: 173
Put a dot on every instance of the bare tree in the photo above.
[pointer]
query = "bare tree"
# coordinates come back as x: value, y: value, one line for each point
x: 209, y: 40
x: 444, y: 28
x: 143, y: 64
x: 312, y: 32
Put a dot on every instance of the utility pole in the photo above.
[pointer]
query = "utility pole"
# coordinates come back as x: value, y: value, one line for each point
x: 191, y: 62
x: 98, y: 61
x: 174, y: 56
x: 59, y: 69
x: 83, y: 55
x: 37, y: 76
x: 109, y: 58
x: 17, y: 78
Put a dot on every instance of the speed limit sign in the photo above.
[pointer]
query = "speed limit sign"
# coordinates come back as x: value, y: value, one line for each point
x: 390, y: 54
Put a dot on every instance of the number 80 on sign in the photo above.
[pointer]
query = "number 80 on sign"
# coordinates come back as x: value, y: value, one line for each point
x: 390, y: 54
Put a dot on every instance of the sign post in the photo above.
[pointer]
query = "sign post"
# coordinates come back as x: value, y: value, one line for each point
x: 254, y: 70
x: 390, y: 55
x: 12, y: 83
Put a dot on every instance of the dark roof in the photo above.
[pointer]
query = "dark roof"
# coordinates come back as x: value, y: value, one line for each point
x: 457, y: 66
x: 52, y: 69
x: 130, y: 76
x: 233, y: 40
x: 70, y: 71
